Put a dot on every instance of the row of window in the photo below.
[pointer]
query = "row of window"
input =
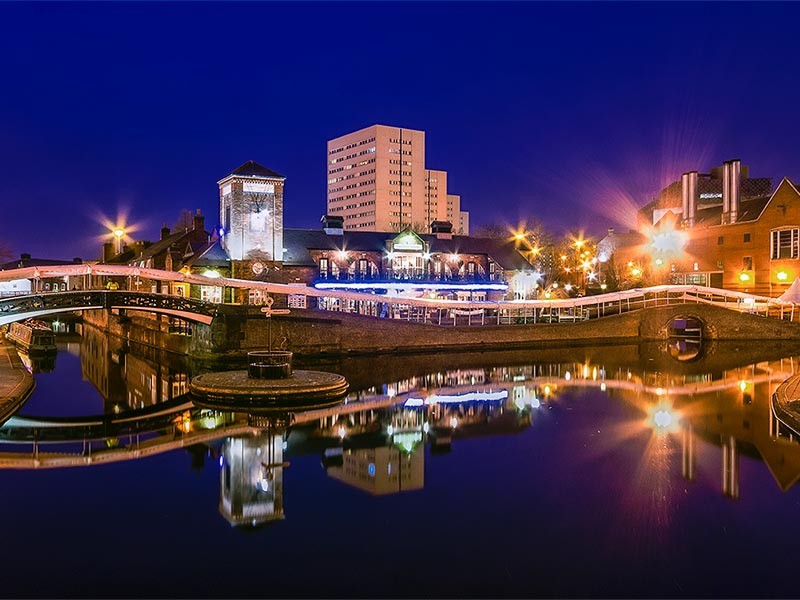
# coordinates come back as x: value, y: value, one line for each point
x: 353, y: 195
x: 721, y: 239
x: 399, y: 141
x: 783, y: 243
x: 351, y: 176
x: 349, y: 156
x: 353, y: 145
x: 360, y: 163
x: 412, y: 266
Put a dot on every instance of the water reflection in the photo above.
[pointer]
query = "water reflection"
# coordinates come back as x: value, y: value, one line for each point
x: 376, y: 440
x: 131, y: 378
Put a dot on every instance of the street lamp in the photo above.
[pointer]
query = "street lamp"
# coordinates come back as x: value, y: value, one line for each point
x: 119, y: 233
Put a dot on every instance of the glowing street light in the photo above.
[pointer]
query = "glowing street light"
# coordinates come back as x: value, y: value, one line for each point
x: 119, y: 233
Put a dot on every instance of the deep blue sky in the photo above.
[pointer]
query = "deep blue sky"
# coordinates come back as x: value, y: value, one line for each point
x: 573, y: 113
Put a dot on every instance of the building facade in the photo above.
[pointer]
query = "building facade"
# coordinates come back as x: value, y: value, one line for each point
x: 377, y: 181
x: 743, y: 240
x: 439, y: 264
x: 707, y: 192
x: 251, y: 213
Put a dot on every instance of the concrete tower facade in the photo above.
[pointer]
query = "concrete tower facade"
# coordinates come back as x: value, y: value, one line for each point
x: 251, y: 214
x: 377, y: 181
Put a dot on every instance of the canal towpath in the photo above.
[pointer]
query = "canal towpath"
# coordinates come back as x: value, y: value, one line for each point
x: 16, y: 383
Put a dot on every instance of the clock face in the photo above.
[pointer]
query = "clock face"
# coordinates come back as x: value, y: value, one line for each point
x: 258, y: 268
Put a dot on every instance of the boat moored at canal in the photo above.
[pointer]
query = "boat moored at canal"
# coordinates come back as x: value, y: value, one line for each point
x: 33, y: 336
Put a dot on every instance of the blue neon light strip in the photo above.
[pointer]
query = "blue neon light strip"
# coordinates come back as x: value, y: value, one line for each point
x: 468, y: 397
x: 371, y: 285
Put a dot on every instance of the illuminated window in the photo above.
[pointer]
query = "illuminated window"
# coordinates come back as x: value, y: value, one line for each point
x: 323, y: 268
x: 784, y: 243
x: 297, y: 301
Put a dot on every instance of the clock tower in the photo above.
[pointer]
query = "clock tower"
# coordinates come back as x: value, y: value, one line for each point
x: 251, y: 217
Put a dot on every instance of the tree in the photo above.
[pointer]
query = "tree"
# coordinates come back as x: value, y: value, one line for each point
x: 185, y: 221
x: 5, y: 252
x: 493, y: 230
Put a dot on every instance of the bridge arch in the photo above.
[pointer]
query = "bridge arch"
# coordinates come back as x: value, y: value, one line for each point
x: 19, y: 308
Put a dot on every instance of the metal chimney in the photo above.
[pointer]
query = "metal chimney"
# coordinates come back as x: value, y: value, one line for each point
x: 692, y: 197
x: 726, y: 190
x: 685, y: 197
x: 735, y: 188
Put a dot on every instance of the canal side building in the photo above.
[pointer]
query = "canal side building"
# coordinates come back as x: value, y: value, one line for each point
x: 747, y: 239
x: 439, y: 264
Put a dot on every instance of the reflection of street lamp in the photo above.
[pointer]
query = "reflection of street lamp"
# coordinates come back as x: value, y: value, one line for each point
x: 119, y: 233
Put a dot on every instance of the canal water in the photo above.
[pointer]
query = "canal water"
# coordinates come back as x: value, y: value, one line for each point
x: 640, y: 470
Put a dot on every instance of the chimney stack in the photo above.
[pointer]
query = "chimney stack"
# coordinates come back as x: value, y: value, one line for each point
x: 332, y: 225
x: 735, y: 188
x: 689, y: 197
x: 108, y: 251
x: 726, y: 190
x: 164, y: 232
x: 442, y: 229
x: 685, y: 197
x: 199, y: 221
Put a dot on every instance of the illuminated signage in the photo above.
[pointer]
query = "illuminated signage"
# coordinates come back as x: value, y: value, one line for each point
x: 408, y: 241
x: 710, y: 195
x: 262, y: 188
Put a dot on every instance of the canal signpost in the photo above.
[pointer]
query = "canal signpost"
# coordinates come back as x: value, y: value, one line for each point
x: 268, y: 312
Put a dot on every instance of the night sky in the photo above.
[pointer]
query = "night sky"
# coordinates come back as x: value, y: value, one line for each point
x: 572, y: 113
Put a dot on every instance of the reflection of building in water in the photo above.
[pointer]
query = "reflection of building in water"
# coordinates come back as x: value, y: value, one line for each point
x: 729, y: 408
x: 739, y: 419
x: 101, y: 365
x: 251, y: 479
x: 125, y: 379
x: 150, y: 383
x: 382, y: 470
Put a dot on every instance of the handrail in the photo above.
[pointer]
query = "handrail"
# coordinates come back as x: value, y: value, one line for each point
x: 590, y: 306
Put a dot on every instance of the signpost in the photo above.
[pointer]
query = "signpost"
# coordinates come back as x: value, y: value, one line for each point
x: 268, y: 312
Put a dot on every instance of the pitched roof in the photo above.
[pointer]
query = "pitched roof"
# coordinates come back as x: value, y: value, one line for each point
x: 162, y: 245
x: 209, y: 255
x: 252, y: 168
x: 298, y: 242
x: 749, y: 210
x: 19, y: 263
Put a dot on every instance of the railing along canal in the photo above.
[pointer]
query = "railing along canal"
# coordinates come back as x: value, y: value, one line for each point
x: 420, y: 310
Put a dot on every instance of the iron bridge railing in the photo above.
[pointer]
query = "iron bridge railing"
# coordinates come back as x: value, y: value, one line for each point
x: 15, y: 308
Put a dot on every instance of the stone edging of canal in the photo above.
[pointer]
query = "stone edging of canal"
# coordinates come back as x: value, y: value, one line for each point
x: 786, y: 403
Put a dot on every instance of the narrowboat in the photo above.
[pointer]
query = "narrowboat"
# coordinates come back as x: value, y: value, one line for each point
x: 32, y: 336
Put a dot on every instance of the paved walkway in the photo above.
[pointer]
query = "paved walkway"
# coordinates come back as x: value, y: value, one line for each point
x: 16, y: 384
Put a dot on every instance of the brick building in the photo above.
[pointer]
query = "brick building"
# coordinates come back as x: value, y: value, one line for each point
x: 439, y: 264
x: 742, y: 241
